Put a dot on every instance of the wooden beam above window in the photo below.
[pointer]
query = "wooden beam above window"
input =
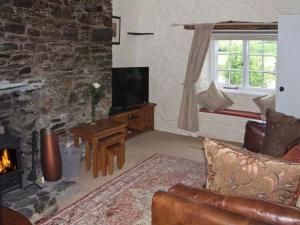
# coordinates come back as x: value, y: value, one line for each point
x: 231, y: 25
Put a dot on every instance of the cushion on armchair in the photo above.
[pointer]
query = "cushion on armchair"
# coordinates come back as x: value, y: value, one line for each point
x: 281, y: 130
x: 233, y: 171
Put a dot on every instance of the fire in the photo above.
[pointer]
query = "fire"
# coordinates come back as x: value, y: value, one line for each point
x: 5, y: 162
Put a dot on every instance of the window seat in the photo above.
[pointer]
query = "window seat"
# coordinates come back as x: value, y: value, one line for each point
x: 237, y: 113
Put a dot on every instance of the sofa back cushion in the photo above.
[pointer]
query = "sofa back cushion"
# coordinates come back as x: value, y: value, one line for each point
x: 234, y: 171
x: 281, y: 130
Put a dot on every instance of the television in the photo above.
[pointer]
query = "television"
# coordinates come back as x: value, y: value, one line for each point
x: 130, y: 88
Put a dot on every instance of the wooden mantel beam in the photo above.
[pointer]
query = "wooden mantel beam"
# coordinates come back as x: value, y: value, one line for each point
x: 239, y: 26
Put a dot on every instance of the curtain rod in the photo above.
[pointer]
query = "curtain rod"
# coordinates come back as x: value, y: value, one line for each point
x: 231, y: 25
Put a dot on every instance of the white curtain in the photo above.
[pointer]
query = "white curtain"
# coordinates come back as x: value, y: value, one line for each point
x: 188, y: 114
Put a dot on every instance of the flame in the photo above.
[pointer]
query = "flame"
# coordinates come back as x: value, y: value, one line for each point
x: 5, y: 163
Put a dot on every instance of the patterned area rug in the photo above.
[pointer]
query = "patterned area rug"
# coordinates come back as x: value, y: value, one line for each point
x: 126, y: 200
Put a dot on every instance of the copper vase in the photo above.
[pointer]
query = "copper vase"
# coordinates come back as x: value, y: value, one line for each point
x: 50, y: 155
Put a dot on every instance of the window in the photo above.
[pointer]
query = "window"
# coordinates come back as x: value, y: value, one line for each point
x: 245, y: 64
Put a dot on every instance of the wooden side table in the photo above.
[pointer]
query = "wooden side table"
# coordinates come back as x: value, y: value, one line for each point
x: 91, y: 134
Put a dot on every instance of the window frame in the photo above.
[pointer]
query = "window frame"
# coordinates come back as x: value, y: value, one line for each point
x: 245, y: 73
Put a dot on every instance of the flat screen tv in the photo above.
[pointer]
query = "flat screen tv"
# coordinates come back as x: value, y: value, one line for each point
x: 130, y: 88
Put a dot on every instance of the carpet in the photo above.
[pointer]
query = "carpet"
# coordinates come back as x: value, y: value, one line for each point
x: 126, y: 200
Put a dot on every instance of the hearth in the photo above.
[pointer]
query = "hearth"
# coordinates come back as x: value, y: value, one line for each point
x: 10, y: 163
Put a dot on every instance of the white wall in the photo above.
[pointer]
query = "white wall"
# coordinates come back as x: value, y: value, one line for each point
x: 167, y: 51
x: 125, y: 53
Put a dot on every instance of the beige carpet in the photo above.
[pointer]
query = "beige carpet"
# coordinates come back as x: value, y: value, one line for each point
x: 138, y: 149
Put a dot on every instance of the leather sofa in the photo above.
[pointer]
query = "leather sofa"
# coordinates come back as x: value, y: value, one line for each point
x: 187, y: 205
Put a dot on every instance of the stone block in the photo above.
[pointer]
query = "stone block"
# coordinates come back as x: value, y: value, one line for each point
x: 8, y: 47
x: 2, y: 62
x: 107, y: 21
x: 6, y: 56
x: 41, y: 48
x: 86, y: 18
x: 20, y: 58
x: 26, y: 212
x: 29, y: 46
x: 14, y: 28
x: 41, y: 58
x: 25, y: 202
x: 25, y: 70
x: 99, y: 8
x: 23, y: 3
x: 66, y: 13
x: 33, y: 32
x: 91, y: 9
x: 99, y: 35
x: 82, y: 50
x: 4, y: 1
x: 70, y: 34
x: 15, y: 38
x: 73, y: 98
x: 56, y: 12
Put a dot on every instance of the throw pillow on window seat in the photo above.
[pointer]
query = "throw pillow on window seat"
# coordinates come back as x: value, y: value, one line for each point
x: 234, y: 171
x: 281, y: 130
x: 265, y: 102
x: 213, y: 98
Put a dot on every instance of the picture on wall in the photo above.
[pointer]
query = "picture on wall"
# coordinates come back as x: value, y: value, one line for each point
x: 116, y: 30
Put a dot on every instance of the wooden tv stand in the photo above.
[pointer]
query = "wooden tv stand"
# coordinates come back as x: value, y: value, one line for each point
x: 139, y: 120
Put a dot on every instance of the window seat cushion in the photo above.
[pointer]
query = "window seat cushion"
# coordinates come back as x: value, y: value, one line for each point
x: 237, y: 113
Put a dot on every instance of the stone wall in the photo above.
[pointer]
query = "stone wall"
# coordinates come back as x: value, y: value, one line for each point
x: 67, y: 44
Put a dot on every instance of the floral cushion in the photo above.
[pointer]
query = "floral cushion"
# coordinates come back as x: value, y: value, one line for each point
x: 237, y: 172
x: 294, y: 155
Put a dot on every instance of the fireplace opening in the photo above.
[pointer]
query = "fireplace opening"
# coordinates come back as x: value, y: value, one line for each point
x: 8, y: 160
x: 10, y: 163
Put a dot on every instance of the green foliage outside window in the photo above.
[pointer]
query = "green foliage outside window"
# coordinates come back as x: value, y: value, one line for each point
x: 261, y: 57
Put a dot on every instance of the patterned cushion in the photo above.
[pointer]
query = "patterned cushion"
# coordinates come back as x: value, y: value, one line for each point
x: 237, y: 172
x: 293, y: 155
x: 265, y: 102
x: 281, y: 130
x: 213, y: 98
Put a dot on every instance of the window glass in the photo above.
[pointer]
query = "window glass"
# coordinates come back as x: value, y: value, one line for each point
x: 246, y: 63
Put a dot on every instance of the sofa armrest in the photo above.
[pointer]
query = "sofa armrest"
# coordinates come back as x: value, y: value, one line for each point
x: 169, y: 209
x: 254, y: 136
x: 267, y: 212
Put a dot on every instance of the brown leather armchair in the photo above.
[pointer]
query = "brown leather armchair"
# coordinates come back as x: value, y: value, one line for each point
x: 254, y: 136
x: 186, y: 205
